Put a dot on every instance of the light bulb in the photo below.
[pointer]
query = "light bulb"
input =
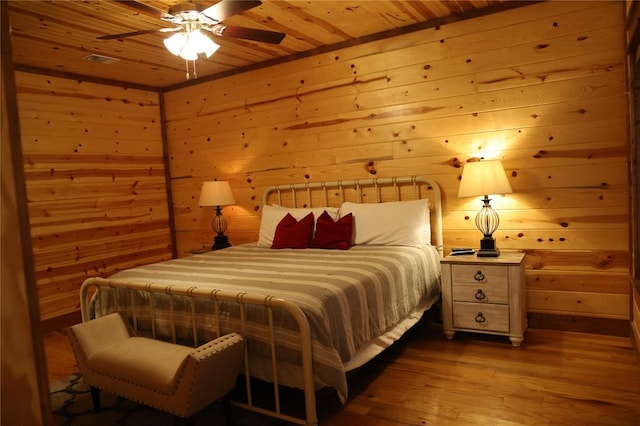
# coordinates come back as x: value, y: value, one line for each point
x: 188, y: 53
x: 202, y: 43
x: 175, y: 43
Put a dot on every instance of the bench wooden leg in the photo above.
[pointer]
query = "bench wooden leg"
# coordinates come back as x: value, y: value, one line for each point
x: 95, y: 398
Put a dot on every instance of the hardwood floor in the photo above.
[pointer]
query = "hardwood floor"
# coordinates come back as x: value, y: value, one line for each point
x: 555, y: 378
x: 61, y: 362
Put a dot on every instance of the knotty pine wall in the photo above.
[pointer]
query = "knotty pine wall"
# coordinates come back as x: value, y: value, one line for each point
x: 541, y: 87
x: 632, y: 48
x: 96, y: 184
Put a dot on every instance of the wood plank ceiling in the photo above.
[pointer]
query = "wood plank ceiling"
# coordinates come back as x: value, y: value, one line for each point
x: 57, y: 36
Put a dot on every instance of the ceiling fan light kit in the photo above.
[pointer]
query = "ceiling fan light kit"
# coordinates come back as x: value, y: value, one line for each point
x: 192, y: 19
x: 190, y: 41
x: 188, y: 45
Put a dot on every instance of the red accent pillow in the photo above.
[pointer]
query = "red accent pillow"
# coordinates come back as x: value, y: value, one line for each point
x: 291, y: 233
x: 333, y: 235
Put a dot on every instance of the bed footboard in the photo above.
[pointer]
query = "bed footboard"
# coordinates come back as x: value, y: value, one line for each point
x: 134, y: 298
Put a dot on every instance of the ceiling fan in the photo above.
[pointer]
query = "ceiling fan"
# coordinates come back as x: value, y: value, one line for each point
x: 191, y: 19
x: 191, y: 16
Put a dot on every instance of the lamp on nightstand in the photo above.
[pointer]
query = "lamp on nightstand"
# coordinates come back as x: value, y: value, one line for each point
x: 217, y: 193
x: 485, y: 178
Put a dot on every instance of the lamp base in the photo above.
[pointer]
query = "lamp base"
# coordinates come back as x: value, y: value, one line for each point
x: 220, y: 242
x: 488, y: 248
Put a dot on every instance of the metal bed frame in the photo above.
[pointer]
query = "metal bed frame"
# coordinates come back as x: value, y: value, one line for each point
x: 243, y: 299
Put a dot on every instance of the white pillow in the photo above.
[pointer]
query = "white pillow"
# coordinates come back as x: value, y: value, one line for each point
x: 272, y: 215
x: 400, y: 223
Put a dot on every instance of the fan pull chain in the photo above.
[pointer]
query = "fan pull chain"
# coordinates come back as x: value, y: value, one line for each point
x: 190, y: 74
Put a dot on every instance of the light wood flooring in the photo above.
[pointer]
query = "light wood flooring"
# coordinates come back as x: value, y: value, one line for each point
x: 555, y: 378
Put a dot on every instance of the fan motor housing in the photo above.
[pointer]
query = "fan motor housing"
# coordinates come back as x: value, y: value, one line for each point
x: 186, y: 7
x: 185, y: 13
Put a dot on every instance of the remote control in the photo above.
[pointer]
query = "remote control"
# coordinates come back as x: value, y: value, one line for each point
x: 462, y: 252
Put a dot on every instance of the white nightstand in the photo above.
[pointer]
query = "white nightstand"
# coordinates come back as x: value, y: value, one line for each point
x: 484, y: 295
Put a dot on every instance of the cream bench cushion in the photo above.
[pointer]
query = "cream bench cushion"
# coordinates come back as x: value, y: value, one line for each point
x: 146, y: 362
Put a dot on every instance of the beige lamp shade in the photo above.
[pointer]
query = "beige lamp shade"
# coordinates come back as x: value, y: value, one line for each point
x: 216, y: 193
x: 484, y: 178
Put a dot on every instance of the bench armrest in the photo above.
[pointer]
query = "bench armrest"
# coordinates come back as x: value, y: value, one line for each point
x: 214, y: 367
x: 91, y: 336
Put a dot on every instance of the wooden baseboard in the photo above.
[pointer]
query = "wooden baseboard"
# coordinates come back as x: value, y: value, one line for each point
x: 606, y: 326
x: 60, y: 322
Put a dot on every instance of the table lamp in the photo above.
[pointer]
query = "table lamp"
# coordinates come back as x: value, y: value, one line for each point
x: 485, y: 178
x: 217, y: 193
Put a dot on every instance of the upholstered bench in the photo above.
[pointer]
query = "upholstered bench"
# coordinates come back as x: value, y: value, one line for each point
x: 173, y: 378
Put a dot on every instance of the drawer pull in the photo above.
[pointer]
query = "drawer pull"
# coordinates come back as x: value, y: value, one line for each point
x: 480, y: 295
x: 480, y: 319
x: 479, y: 276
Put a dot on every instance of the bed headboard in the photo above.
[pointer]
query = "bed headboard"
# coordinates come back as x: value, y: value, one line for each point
x: 375, y: 190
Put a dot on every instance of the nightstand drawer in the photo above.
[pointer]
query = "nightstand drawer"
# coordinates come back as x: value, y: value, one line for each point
x: 480, y: 274
x: 474, y: 316
x: 482, y: 293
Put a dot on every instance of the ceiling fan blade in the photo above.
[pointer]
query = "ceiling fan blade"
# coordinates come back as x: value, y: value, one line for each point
x: 250, y: 34
x: 226, y: 8
x: 137, y: 33
x: 146, y: 9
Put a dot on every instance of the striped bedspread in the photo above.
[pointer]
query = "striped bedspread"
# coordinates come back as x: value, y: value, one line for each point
x: 350, y: 297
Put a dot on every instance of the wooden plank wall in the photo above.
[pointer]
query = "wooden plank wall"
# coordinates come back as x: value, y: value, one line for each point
x: 541, y: 87
x: 96, y: 185
x: 632, y: 45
